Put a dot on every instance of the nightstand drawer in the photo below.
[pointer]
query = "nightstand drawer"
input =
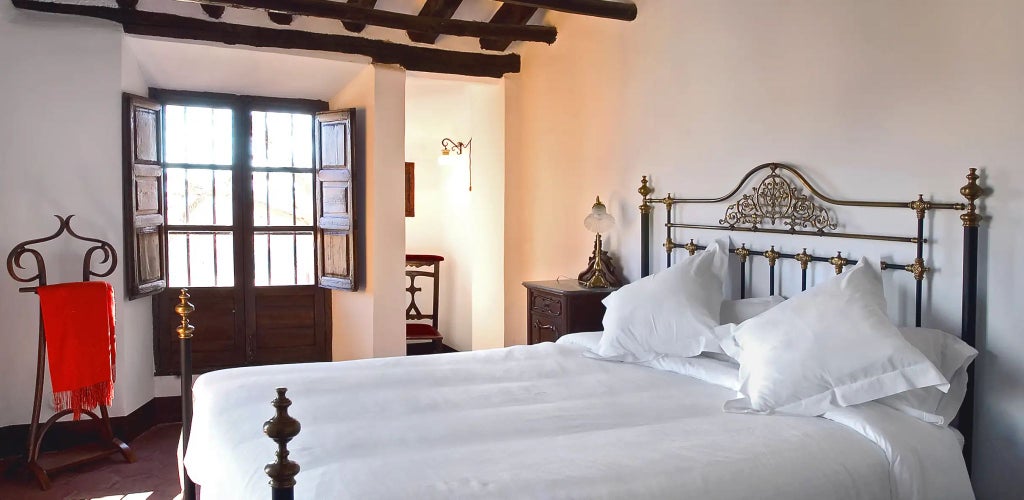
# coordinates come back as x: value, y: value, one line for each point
x: 545, y: 328
x: 546, y: 303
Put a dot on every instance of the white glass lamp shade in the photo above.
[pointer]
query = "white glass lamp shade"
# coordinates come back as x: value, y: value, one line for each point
x: 599, y: 221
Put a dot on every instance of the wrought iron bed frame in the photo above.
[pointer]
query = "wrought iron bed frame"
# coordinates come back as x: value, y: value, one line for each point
x: 774, y: 200
x: 779, y: 201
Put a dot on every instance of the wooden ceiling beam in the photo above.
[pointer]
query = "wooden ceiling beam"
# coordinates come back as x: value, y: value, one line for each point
x: 359, y: 27
x: 357, y: 13
x: 623, y: 11
x: 280, y: 18
x: 413, y: 58
x: 508, y: 13
x: 213, y: 11
x: 443, y: 9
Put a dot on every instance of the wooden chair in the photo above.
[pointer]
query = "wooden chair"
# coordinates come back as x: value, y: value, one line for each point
x: 415, y: 331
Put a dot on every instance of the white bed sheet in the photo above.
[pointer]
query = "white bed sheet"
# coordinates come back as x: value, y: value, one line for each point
x: 543, y: 421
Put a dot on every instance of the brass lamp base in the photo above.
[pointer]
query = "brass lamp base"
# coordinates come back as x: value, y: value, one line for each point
x: 600, y: 272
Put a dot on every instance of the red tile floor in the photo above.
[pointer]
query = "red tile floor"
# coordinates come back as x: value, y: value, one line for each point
x: 153, y: 477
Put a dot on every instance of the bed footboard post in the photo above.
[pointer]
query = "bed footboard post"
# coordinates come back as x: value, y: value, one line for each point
x: 282, y: 428
x: 972, y: 220
x: 184, y: 308
x: 645, y: 227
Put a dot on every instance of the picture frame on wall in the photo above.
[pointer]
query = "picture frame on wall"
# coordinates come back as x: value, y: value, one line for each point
x: 410, y: 189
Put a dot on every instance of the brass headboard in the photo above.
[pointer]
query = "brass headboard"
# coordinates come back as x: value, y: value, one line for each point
x: 778, y: 205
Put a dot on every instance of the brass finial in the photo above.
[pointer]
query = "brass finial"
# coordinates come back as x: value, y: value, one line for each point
x: 918, y: 269
x: 920, y: 206
x: 184, y: 308
x: 743, y: 252
x: 691, y: 247
x: 282, y: 428
x: 804, y: 259
x: 839, y: 262
x: 645, y: 191
x: 772, y: 256
x: 972, y: 191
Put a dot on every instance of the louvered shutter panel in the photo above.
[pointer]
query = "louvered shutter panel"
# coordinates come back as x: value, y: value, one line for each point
x: 335, y: 241
x: 145, y: 235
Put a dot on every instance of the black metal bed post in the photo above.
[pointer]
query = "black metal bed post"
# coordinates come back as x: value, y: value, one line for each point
x: 971, y: 220
x: 645, y: 228
x: 282, y: 427
x: 184, y: 308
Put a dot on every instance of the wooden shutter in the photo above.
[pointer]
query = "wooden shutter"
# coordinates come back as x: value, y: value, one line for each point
x: 145, y: 235
x: 335, y: 222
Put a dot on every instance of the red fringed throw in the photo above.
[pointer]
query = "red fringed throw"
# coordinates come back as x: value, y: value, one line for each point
x: 78, y: 319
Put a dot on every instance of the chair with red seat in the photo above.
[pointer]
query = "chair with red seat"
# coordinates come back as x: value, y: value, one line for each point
x: 417, y: 332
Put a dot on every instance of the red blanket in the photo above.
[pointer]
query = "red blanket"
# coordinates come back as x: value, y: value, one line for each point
x: 79, y: 322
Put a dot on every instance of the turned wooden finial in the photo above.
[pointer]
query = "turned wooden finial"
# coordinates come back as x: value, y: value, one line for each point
x: 972, y: 191
x: 184, y: 308
x: 282, y: 428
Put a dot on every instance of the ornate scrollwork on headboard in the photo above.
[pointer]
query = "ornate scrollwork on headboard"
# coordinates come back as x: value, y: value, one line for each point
x: 777, y: 200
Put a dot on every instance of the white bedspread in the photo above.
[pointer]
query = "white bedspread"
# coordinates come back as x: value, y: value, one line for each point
x: 545, y: 422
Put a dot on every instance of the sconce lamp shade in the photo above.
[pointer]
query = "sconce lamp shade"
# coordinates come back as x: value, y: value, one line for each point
x: 599, y: 221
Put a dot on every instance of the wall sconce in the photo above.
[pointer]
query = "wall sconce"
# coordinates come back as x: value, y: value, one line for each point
x: 600, y: 272
x: 448, y: 147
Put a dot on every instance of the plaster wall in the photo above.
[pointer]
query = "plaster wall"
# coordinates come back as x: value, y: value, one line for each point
x: 878, y: 100
x: 466, y: 227
x: 370, y: 322
x: 60, y: 153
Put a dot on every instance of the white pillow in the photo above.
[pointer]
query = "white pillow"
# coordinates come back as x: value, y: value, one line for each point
x: 586, y: 340
x: 830, y: 345
x: 951, y: 356
x: 672, y: 312
x: 710, y: 370
x: 738, y: 311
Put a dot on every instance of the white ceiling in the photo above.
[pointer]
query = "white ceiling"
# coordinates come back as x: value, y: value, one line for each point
x: 182, y: 65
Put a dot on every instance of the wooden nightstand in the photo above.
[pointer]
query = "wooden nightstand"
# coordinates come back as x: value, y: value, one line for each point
x: 556, y: 308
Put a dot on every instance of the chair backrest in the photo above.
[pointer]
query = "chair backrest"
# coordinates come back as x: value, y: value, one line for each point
x: 418, y: 262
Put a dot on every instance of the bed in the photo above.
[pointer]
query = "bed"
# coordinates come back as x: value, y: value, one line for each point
x: 547, y: 421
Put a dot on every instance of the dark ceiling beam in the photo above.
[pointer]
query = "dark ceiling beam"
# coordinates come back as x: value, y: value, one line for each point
x: 359, y: 27
x: 280, y: 18
x: 413, y: 58
x: 623, y: 11
x: 213, y: 11
x: 443, y: 9
x: 407, y: 22
x: 507, y: 14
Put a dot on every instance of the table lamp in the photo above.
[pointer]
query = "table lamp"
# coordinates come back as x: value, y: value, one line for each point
x: 600, y: 272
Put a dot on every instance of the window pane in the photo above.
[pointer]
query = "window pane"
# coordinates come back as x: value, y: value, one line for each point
x: 283, y: 259
x: 198, y: 196
x: 200, y: 259
x: 282, y: 199
x: 282, y: 140
x: 198, y: 135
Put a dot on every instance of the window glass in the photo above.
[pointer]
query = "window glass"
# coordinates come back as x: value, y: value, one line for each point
x: 197, y: 135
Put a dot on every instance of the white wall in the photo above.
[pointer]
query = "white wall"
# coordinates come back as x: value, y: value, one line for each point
x: 466, y: 227
x: 371, y: 322
x: 874, y: 99
x: 60, y: 153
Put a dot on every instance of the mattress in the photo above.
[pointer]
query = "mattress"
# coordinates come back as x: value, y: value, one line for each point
x: 544, y: 421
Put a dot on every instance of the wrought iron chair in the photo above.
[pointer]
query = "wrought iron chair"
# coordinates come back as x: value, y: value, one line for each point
x: 417, y: 332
